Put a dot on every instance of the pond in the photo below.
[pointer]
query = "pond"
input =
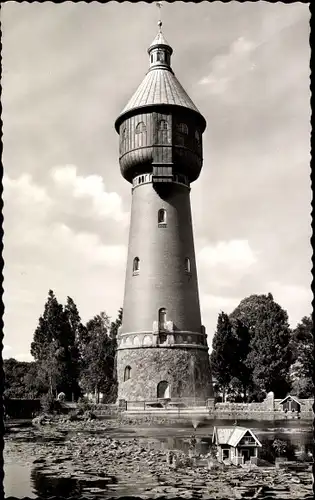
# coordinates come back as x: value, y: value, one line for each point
x: 27, y: 479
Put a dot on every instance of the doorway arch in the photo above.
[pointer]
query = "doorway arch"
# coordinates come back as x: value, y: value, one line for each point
x: 163, y: 390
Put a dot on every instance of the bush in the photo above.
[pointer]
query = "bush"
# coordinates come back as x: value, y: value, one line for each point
x: 89, y: 415
x: 73, y: 416
x: 84, y: 405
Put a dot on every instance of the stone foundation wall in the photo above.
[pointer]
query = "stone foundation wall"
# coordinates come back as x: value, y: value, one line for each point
x: 186, y: 370
x: 234, y: 407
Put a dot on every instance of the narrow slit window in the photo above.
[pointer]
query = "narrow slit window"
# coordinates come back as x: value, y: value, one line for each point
x: 162, y: 318
x: 136, y: 265
x: 127, y: 373
x: 187, y: 265
x: 162, y: 216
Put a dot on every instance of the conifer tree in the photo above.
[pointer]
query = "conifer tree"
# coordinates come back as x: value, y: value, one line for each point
x: 223, y: 353
x: 45, y: 347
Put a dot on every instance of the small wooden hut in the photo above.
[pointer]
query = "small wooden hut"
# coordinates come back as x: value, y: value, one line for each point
x: 235, y: 444
x: 290, y: 403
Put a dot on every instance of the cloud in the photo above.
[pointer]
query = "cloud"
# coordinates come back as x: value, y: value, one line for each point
x: 6, y: 348
x: 209, y: 302
x: 235, y: 254
x: 27, y: 191
x: 24, y: 356
x: 227, y: 67
x: 46, y: 249
x: 91, y: 189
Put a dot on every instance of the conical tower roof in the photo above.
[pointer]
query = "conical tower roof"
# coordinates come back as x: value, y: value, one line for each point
x: 160, y: 86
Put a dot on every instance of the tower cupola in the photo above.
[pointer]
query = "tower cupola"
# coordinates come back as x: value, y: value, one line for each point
x: 160, y: 51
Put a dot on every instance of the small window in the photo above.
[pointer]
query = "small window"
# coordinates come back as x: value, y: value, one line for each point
x: 162, y: 216
x: 197, y: 136
x: 162, y: 318
x: 187, y: 265
x: 136, y: 265
x: 140, y: 128
x: 163, y: 125
x: 182, y: 128
x: 160, y: 56
x: 123, y: 139
x: 127, y: 373
x: 151, y: 58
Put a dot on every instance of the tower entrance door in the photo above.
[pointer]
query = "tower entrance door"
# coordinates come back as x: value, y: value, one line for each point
x: 163, y: 390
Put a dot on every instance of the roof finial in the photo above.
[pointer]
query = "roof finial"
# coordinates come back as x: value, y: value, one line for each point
x: 159, y: 6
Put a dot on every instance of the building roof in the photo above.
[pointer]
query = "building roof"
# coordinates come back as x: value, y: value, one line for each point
x: 289, y: 396
x: 159, y: 86
x: 159, y: 40
x: 232, y: 435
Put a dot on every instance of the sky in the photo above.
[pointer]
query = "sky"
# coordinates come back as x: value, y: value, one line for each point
x: 68, y: 71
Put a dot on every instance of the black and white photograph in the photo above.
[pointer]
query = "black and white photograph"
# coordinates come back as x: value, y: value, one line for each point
x: 157, y: 327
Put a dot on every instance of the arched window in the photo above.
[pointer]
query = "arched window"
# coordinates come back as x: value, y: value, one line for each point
x: 162, y: 318
x: 127, y: 373
x: 163, y: 125
x: 187, y: 265
x: 136, y: 265
x: 162, y: 216
x: 163, y: 390
x: 140, y: 132
x: 182, y: 128
x: 140, y: 128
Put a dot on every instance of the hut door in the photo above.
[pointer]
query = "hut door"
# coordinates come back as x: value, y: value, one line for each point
x: 245, y: 454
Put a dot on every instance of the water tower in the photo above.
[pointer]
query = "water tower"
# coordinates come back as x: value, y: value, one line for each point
x: 162, y: 345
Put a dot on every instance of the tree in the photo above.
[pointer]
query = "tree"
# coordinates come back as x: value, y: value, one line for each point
x: 222, y: 357
x: 302, y: 345
x: 280, y: 447
x: 115, y: 325
x: 45, y: 345
x: 70, y: 342
x: 269, y: 357
x: 242, y: 373
x: 54, y: 346
x: 20, y: 379
x: 98, y: 354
